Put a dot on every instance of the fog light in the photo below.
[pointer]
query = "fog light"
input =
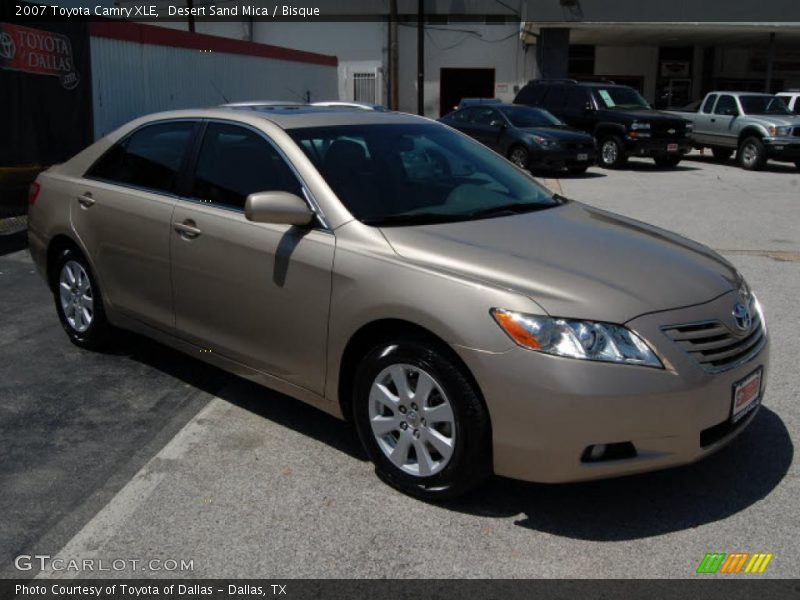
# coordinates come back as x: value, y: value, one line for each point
x: 596, y: 452
x: 605, y: 452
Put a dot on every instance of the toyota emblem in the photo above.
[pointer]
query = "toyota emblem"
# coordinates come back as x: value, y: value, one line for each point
x: 742, y: 317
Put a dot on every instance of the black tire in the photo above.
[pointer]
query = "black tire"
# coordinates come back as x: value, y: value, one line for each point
x: 97, y: 334
x: 797, y: 164
x: 612, y: 152
x: 667, y: 162
x: 577, y: 170
x: 520, y: 156
x: 722, y: 154
x: 470, y: 463
x: 751, y: 154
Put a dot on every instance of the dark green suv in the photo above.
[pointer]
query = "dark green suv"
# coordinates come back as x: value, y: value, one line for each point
x: 622, y: 122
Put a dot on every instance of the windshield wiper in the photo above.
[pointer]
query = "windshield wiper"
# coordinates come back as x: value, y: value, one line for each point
x: 409, y: 219
x: 514, y: 208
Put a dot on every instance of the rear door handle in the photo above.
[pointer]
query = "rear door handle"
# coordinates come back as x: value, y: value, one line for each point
x: 86, y: 200
x: 713, y: 120
x: 187, y: 229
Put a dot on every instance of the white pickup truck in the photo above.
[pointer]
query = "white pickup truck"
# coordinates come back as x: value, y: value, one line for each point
x: 756, y: 126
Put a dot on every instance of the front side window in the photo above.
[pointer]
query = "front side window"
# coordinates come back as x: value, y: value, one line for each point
x: 619, y: 97
x: 405, y: 174
x: 149, y: 158
x: 235, y: 162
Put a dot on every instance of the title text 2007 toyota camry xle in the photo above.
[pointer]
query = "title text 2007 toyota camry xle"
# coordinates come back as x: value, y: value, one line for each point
x: 390, y: 270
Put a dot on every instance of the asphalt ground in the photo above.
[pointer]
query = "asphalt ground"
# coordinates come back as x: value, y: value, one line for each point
x: 146, y: 454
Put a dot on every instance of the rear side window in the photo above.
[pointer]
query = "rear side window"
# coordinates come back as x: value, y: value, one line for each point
x: 725, y: 105
x: 149, y: 158
x: 577, y: 99
x: 709, y: 103
x: 554, y: 99
x: 235, y: 162
x: 530, y: 94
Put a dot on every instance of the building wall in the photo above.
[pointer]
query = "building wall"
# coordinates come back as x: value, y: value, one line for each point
x: 626, y: 60
x: 465, y: 45
x: 735, y: 63
x: 130, y: 79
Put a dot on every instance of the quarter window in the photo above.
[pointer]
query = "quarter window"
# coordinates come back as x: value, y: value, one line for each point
x: 149, y: 158
x: 709, y: 103
x: 235, y: 162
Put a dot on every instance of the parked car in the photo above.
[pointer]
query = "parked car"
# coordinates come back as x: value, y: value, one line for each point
x: 792, y: 100
x: 464, y: 102
x: 528, y: 137
x: 392, y: 271
x: 757, y: 126
x: 617, y: 116
x: 350, y: 104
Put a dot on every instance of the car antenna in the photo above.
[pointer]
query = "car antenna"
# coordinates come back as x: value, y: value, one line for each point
x: 219, y: 91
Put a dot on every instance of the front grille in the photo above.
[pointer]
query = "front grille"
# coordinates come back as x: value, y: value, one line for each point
x: 583, y: 146
x: 665, y: 135
x: 715, y: 346
x: 796, y: 132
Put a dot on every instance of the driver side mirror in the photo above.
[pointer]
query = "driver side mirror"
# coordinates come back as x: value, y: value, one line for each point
x: 588, y: 107
x: 280, y: 208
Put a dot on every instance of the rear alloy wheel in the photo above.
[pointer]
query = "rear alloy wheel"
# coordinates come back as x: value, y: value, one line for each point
x: 612, y: 152
x: 421, y: 421
x: 78, y: 302
x: 667, y: 161
x: 722, y: 154
x: 752, y: 155
x: 520, y: 156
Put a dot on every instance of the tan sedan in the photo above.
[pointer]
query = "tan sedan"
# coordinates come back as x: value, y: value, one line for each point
x: 389, y: 270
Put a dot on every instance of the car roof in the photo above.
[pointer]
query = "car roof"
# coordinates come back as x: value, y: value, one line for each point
x: 294, y: 117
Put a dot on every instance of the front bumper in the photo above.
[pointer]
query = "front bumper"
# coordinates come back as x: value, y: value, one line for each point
x: 657, y: 147
x: 546, y: 410
x: 782, y: 148
x: 558, y: 158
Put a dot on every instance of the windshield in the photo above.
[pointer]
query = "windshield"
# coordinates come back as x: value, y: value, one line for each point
x: 522, y: 116
x: 619, y: 97
x: 411, y: 174
x: 764, y: 105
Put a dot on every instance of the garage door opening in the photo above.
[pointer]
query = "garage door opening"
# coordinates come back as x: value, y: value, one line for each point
x: 455, y: 84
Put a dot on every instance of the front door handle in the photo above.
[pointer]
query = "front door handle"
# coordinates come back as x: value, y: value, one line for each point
x: 187, y: 229
x: 86, y: 200
x: 713, y: 120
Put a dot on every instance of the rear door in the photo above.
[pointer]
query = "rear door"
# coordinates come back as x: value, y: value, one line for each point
x: 722, y: 130
x: 554, y: 99
x: 256, y: 293
x: 122, y: 214
x: 577, y: 110
x: 702, y: 122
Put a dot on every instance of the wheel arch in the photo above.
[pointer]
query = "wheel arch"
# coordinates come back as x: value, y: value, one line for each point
x: 55, y: 247
x: 384, y: 330
x: 749, y: 131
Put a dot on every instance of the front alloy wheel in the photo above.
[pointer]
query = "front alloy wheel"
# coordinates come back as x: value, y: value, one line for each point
x: 612, y: 152
x: 421, y: 420
x: 519, y: 156
x: 752, y: 155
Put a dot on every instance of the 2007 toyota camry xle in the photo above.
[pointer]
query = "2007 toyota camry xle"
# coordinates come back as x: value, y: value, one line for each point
x: 391, y: 271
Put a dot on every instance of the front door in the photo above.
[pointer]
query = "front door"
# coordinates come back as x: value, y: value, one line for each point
x: 255, y: 293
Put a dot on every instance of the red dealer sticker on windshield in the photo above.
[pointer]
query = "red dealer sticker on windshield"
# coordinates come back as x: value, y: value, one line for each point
x: 37, y: 51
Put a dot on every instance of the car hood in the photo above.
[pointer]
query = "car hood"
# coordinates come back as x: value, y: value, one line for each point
x: 565, y: 134
x: 574, y: 261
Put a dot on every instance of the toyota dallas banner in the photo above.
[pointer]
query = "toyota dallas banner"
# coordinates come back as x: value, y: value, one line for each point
x: 45, y: 92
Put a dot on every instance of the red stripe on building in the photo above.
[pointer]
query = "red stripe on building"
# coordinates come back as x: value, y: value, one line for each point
x: 175, y: 38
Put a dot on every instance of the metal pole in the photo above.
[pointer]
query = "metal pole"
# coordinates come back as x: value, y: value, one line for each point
x: 394, y: 89
x: 420, y: 58
x: 770, y: 61
x: 190, y: 6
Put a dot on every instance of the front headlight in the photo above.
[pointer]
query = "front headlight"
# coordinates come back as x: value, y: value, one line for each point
x: 545, y: 142
x: 586, y: 340
x: 780, y: 131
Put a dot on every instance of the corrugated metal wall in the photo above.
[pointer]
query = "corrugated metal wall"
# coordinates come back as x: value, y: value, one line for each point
x: 131, y: 79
